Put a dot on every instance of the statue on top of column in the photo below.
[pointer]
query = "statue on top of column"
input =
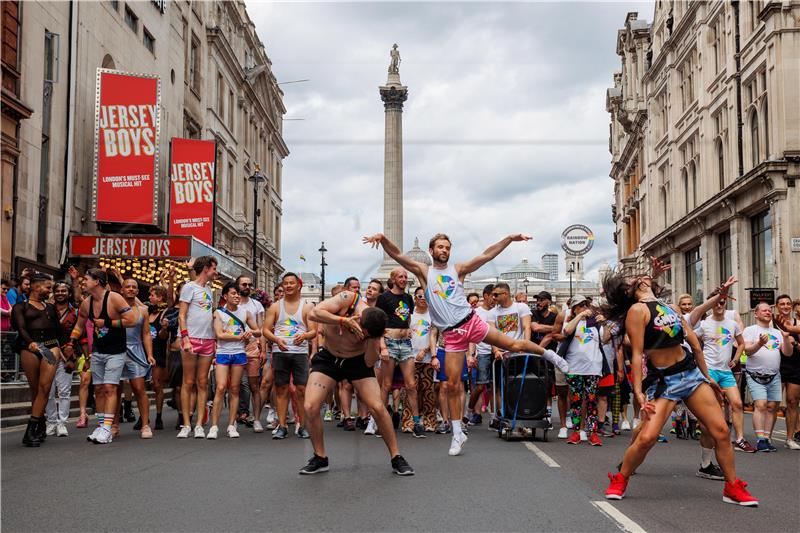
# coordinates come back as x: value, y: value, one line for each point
x: 394, y: 65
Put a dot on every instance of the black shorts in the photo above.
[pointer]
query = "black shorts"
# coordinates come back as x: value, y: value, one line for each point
x: 340, y: 369
x: 161, y: 358
x: 792, y: 376
x: 605, y: 392
x: 176, y: 369
x: 625, y: 391
x: 290, y: 365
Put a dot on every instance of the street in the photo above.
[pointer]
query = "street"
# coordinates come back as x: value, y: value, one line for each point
x: 252, y: 484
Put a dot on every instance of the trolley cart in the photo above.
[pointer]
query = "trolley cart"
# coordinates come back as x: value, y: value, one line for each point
x: 524, y: 388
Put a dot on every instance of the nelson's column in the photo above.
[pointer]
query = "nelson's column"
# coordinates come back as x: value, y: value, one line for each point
x: 393, y: 94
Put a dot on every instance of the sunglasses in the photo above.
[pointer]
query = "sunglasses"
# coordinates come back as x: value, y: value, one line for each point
x: 419, y: 296
x: 496, y: 294
x: 246, y: 284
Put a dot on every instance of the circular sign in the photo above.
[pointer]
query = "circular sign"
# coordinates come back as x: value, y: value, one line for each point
x: 577, y: 239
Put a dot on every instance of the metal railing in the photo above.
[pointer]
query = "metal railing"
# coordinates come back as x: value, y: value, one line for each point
x: 10, y: 370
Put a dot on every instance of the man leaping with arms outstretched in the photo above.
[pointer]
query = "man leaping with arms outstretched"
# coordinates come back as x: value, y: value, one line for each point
x: 353, y: 334
x: 455, y: 318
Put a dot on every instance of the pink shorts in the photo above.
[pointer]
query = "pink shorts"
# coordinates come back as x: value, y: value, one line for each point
x: 473, y: 331
x: 204, y: 347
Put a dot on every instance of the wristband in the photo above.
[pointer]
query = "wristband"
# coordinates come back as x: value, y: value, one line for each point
x: 185, y: 333
x: 120, y: 323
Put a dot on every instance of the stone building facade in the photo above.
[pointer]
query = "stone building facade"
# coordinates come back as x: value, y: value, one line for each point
x: 216, y: 83
x: 705, y: 144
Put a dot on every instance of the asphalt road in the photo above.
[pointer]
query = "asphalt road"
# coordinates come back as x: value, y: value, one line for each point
x: 252, y: 484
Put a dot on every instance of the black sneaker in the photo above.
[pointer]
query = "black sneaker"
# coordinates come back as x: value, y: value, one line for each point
x: 419, y: 432
x: 712, y: 471
x: 315, y: 465
x: 361, y: 423
x: 442, y: 428
x: 399, y: 466
x: 138, y: 425
x: 396, y: 419
x: 159, y: 423
x: 281, y: 434
x: 349, y: 424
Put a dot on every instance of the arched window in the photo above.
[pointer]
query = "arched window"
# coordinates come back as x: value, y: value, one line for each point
x: 663, y: 205
x: 766, y: 129
x: 720, y: 164
x: 108, y: 62
x: 754, y: 151
x: 685, y: 184
x: 693, y: 180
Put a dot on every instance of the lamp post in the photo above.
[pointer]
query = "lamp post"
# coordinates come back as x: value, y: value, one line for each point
x: 525, y: 282
x: 257, y: 178
x: 323, y: 264
x: 571, y: 271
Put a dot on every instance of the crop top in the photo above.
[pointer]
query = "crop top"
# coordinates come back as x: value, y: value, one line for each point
x: 664, y: 329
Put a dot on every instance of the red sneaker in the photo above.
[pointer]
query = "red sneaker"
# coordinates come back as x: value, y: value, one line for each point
x: 594, y: 440
x: 736, y: 493
x: 616, y: 489
x: 575, y: 438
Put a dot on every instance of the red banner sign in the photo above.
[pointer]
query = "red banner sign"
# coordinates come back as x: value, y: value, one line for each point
x: 126, y: 136
x: 191, y: 206
x: 165, y: 246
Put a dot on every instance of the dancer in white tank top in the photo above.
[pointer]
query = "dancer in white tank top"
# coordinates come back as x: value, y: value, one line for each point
x: 454, y: 317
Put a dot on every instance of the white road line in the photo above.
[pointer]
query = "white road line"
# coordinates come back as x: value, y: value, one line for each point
x: 622, y: 521
x: 546, y: 459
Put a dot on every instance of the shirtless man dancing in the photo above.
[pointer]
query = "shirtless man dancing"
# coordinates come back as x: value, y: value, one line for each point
x: 455, y: 318
x: 353, y: 333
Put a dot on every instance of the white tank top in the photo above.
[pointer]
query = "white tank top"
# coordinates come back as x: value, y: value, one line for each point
x: 447, y: 302
x: 288, y: 326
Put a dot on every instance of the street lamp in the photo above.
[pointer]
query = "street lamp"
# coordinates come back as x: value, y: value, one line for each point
x: 525, y: 282
x: 257, y: 178
x: 571, y: 271
x: 323, y: 264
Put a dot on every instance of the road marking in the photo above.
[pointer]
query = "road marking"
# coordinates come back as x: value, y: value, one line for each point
x: 622, y: 521
x: 546, y: 459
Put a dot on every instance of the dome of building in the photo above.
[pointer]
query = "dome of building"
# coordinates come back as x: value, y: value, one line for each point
x: 418, y: 254
x: 526, y: 270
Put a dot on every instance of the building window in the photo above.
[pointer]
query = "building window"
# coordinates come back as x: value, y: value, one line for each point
x: 149, y: 41
x: 766, y: 129
x: 114, y: 4
x: 720, y: 164
x: 220, y: 95
x: 685, y: 183
x: 194, y: 64
x: 230, y: 110
x: 131, y: 20
x: 686, y: 74
x: 695, y: 185
x: 725, y: 266
x: 754, y: 151
x: 761, y: 231
x: 230, y: 186
x: 718, y: 46
x: 694, y: 274
x: 664, y: 205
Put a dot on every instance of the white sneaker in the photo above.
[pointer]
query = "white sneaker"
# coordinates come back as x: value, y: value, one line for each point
x: 61, y: 430
x: 371, y: 427
x: 457, y: 444
x: 51, y: 428
x: 276, y: 429
x: 212, y: 432
x: 93, y: 435
x: 626, y: 426
x: 328, y: 416
x: 199, y: 432
x: 569, y: 422
x: 792, y: 444
x: 271, y: 416
x: 103, y: 437
x: 232, y: 433
x: 584, y: 438
x: 257, y: 427
x: 636, y: 422
x: 184, y: 432
x: 562, y: 433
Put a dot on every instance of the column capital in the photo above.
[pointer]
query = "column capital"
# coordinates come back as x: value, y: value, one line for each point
x: 393, y: 97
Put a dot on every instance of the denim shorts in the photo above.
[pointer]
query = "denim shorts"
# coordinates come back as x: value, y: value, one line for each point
x: 231, y: 359
x: 107, y: 368
x: 399, y: 349
x: 724, y: 378
x: 133, y: 370
x: 484, y: 368
x: 679, y: 386
x: 770, y: 392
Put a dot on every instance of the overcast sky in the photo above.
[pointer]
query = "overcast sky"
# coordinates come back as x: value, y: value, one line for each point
x: 505, y: 128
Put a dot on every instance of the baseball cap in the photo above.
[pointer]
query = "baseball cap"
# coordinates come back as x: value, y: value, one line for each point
x: 577, y: 299
x: 544, y: 295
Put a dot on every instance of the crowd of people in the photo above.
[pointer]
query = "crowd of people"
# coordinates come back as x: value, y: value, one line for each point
x: 422, y: 361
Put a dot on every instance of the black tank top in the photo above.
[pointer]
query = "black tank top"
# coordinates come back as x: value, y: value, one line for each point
x: 106, y: 339
x: 664, y: 329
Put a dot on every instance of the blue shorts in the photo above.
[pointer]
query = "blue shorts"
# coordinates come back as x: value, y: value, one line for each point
x: 399, y: 349
x: 232, y: 359
x: 679, y: 386
x: 440, y: 375
x: 133, y: 370
x: 724, y: 378
x: 107, y: 368
x: 770, y: 392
